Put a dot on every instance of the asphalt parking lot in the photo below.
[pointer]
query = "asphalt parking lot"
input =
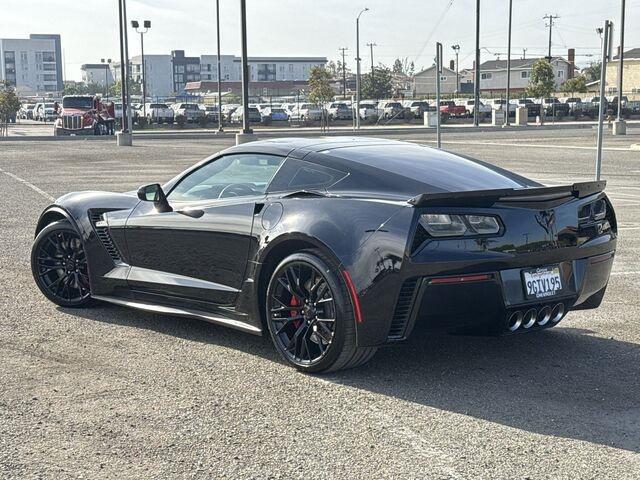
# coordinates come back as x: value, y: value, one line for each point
x: 115, y: 393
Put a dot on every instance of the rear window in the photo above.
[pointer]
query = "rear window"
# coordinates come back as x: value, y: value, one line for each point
x: 300, y: 175
x: 158, y: 105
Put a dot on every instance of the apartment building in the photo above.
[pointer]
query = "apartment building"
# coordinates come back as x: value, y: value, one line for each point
x: 32, y: 65
x: 167, y: 75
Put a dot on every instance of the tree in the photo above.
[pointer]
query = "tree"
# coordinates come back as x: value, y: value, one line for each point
x: 9, y: 106
x: 403, y: 66
x: 543, y: 81
x: 320, y: 85
x: 575, y: 85
x: 379, y: 86
x: 592, y: 72
x: 332, y: 67
x: 397, y: 66
x: 135, y: 88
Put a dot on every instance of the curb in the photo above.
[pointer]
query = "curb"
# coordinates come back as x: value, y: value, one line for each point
x: 294, y: 132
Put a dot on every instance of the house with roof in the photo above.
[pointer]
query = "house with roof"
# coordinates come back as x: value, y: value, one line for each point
x: 424, y: 82
x: 493, y: 73
x: 631, y: 75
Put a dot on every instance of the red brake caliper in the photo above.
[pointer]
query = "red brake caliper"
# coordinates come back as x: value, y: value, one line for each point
x: 294, y: 313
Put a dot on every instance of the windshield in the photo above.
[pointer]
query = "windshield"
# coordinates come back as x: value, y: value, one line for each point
x: 77, y: 102
x: 189, y: 106
x: 158, y: 105
x: 48, y: 105
x: 393, y: 105
x: 277, y: 110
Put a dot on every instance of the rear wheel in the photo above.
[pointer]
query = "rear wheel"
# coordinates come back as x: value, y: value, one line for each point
x: 310, y: 316
x: 59, y: 265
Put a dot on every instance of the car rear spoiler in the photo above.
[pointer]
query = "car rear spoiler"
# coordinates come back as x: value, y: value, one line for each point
x: 489, y: 197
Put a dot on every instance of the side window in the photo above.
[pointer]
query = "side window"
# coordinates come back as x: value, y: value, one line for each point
x: 240, y: 175
x: 300, y: 175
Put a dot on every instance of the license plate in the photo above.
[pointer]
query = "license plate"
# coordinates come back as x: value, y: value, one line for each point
x: 542, y: 282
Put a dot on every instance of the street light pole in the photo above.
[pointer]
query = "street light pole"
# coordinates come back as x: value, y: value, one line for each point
x: 123, y: 72
x: 107, y: 72
x: 220, y: 129
x: 506, y: 120
x: 128, y: 72
x: 147, y: 26
x: 438, y: 80
x: 357, y: 112
x: 456, y: 48
x: 476, y: 110
x: 245, y: 69
x: 619, y: 126
x: 606, y: 54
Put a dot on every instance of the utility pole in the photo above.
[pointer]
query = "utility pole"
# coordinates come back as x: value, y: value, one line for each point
x: 344, y: 73
x: 619, y: 126
x: 438, y: 80
x: 373, y: 74
x: 220, y: 128
x: 606, y: 56
x: 551, y: 19
x: 456, y: 48
x: 506, y: 120
x: 476, y: 110
x: 358, y: 66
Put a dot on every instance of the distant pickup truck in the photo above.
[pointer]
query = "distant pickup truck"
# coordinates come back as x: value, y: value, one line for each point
x: 159, y: 113
x: 450, y: 108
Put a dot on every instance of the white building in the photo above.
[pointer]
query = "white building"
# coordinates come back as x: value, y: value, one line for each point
x: 261, y: 69
x: 98, y: 73
x: 167, y: 75
x: 159, y: 71
x: 32, y: 65
x: 424, y: 82
x: 493, y: 74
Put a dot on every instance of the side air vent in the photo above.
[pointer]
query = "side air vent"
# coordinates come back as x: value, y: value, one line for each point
x: 102, y: 231
x: 403, y: 310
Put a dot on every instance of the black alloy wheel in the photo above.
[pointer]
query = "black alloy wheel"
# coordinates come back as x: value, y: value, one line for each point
x: 59, y: 265
x: 310, y: 316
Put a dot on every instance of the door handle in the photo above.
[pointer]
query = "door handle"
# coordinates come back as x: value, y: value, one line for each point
x: 191, y: 212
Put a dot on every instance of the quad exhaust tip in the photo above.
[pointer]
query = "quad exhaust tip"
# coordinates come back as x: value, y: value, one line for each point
x: 544, y: 315
x: 557, y: 313
x: 531, y: 317
x: 515, y: 320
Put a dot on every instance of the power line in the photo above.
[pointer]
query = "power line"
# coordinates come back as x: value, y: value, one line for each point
x: 433, y: 30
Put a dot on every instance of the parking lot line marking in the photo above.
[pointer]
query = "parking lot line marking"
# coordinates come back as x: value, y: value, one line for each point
x: 30, y: 185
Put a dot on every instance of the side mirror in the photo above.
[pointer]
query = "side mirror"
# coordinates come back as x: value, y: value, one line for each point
x: 154, y: 193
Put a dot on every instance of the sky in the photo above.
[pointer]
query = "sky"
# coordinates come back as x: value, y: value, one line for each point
x: 400, y: 28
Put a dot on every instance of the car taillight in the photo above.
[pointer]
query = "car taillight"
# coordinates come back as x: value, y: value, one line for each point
x: 450, y: 225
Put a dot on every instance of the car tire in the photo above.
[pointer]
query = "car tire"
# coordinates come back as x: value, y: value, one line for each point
x: 59, y: 265
x: 288, y: 324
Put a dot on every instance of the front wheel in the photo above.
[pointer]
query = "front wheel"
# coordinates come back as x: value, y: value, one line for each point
x: 59, y: 265
x: 310, y: 315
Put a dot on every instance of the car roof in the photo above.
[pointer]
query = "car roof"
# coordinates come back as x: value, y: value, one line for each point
x: 391, y: 166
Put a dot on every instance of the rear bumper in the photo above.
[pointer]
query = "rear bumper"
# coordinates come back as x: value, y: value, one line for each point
x: 489, y: 300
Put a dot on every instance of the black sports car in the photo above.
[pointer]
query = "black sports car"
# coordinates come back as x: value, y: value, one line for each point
x: 335, y: 246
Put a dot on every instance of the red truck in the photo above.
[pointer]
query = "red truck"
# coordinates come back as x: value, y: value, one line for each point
x: 450, y: 108
x: 84, y: 115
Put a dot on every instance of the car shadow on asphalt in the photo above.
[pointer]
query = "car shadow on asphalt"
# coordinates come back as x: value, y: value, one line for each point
x: 563, y: 382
